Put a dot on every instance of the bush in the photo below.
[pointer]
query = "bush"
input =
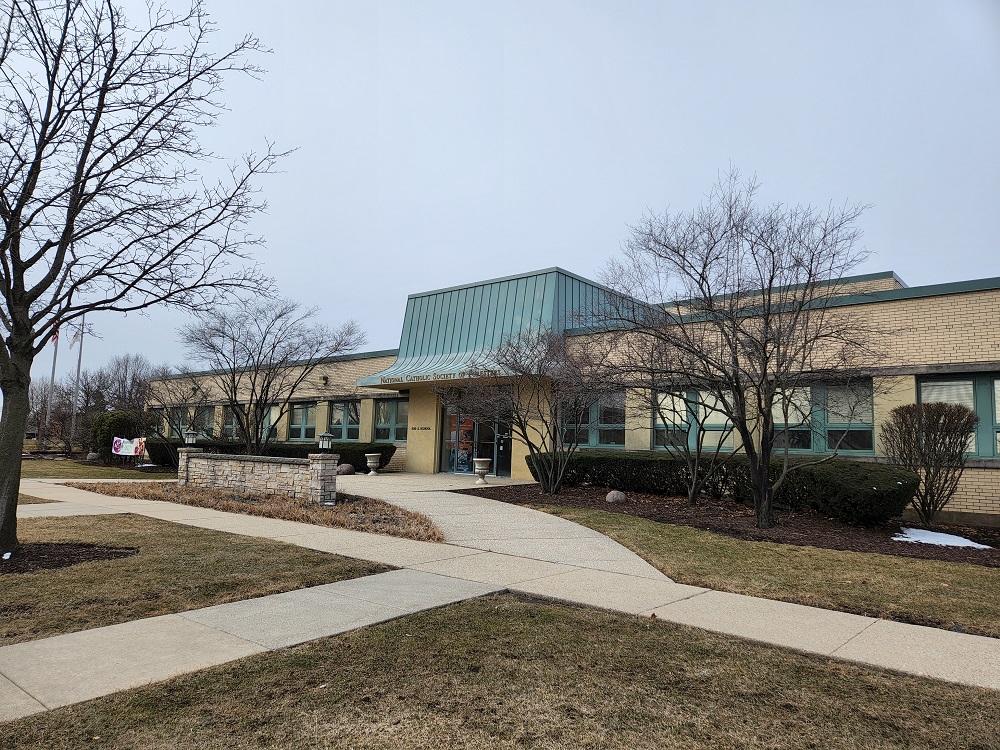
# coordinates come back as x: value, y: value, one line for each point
x: 629, y: 472
x: 856, y: 492
x: 165, y: 453
x: 930, y: 439
x: 112, y: 424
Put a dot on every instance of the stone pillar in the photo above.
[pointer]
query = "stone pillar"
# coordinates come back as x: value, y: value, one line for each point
x: 323, y: 477
x: 182, y: 463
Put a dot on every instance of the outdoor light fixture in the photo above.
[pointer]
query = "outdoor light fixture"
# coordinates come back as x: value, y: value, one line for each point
x: 325, y: 379
x: 190, y: 436
x: 325, y: 441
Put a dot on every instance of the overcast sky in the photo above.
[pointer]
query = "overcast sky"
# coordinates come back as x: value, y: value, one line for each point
x: 440, y: 143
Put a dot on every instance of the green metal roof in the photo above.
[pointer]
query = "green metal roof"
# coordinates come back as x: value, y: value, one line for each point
x: 447, y: 331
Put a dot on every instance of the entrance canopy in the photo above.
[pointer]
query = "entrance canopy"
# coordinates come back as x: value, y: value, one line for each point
x: 448, y: 334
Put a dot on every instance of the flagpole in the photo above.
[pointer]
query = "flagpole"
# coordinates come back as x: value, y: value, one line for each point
x: 52, y: 386
x: 76, y: 384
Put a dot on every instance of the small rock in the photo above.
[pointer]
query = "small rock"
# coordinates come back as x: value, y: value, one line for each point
x: 345, y: 469
x: 616, y: 496
x: 93, y: 456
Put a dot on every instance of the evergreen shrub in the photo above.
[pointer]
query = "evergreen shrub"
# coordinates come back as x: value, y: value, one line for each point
x: 856, y: 492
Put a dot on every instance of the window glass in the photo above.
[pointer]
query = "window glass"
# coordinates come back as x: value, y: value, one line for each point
x: 713, y: 439
x: 952, y: 392
x: 792, y: 408
x: 612, y: 409
x: 798, y: 440
x: 849, y: 404
x: 850, y: 440
x: 672, y: 409
x: 402, y: 418
x: 949, y: 392
x: 996, y: 401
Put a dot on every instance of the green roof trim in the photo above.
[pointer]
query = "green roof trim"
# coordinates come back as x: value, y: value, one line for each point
x: 323, y: 361
x: 448, y: 331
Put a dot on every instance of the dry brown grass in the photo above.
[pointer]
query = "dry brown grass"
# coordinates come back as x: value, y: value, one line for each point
x: 29, y: 500
x: 356, y: 513
x: 177, y: 568
x: 500, y: 672
x: 50, y: 469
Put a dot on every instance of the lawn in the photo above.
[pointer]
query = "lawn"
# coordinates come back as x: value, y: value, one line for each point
x: 29, y: 500
x: 502, y: 672
x: 45, y: 469
x: 926, y: 592
x: 177, y: 568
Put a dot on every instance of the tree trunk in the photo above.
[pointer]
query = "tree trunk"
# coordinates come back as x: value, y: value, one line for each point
x: 12, y: 423
x: 763, y: 495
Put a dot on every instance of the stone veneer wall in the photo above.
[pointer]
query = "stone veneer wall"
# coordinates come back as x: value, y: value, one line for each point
x: 314, y: 478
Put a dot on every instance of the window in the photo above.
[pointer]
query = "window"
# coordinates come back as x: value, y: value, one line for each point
x: 980, y: 393
x: 391, y: 417
x: 677, y: 418
x: 302, y: 422
x: 718, y: 429
x: 177, y: 421
x: 601, y: 425
x: 205, y: 421
x: 345, y: 420
x: 849, y: 417
x: 826, y: 417
x: 791, y: 413
x: 230, y: 425
x: 671, y: 421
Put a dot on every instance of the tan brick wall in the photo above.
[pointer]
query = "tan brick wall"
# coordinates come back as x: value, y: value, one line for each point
x: 937, y: 330
x: 978, y: 492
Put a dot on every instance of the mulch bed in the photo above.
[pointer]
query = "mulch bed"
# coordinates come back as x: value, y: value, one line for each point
x: 737, y: 520
x: 36, y: 556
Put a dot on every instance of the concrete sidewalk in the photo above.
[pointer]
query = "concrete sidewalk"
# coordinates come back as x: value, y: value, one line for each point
x: 489, y: 547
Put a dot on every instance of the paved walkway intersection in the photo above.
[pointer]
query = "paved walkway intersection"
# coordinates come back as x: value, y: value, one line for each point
x: 490, y: 547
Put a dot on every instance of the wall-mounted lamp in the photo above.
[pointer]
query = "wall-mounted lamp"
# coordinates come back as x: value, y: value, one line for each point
x: 325, y: 379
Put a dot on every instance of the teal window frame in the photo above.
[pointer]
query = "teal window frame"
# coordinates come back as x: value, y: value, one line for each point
x: 345, y: 431
x: 302, y: 422
x: 230, y: 425
x: 205, y: 421
x: 819, y: 427
x: 595, y: 427
x: 689, y: 426
x: 177, y: 421
x: 392, y: 417
x: 984, y: 394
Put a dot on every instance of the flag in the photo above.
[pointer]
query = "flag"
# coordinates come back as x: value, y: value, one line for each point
x: 55, y: 335
x: 78, y: 336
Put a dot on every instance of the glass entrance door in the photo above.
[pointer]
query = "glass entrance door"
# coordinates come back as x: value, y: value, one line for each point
x: 465, y: 439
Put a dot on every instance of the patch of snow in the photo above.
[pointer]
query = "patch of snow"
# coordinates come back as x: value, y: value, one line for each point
x: 935, y: 537
x: 6, y: 555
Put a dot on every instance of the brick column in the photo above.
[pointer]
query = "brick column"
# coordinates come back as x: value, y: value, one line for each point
x: 182, y: 463
x: 323, y: 477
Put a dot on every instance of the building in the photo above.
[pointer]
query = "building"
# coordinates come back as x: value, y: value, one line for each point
x: 946, y: 348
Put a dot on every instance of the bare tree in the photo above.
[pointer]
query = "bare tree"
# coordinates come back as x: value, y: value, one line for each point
x: 101, y: 203
x: 543, y: 384
x: 931, y: 440
x: 744, y: 296
x: 257, y: 354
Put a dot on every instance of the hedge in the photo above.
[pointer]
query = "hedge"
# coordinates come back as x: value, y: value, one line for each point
x: 350, y: 453
x: 856, y: 492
